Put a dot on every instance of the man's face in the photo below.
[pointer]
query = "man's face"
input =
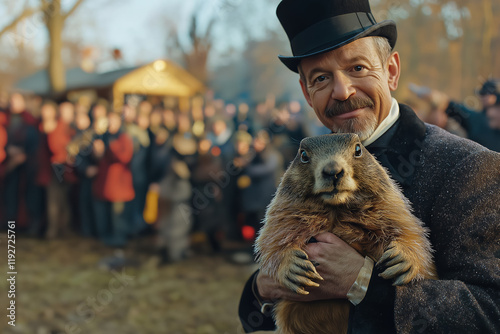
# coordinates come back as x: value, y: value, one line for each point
x: 219, y: 127
x: 350, y: 88
x: 48, y: 112
x: 67, y: 112
x: 493, y: 114
x: 17, y: 103
x: 488, y: 100
x: 82, y: 120
x: 115, y: 122
x: 129, y: 114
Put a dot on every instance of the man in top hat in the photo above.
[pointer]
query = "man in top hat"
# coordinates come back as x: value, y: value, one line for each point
x: 347, y: 71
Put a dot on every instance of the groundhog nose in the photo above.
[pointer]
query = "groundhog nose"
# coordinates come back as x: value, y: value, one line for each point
x: 332, y: 171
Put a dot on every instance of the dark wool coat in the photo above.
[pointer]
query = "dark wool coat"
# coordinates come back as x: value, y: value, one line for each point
x: 454, y: 186
x: 476, y: 124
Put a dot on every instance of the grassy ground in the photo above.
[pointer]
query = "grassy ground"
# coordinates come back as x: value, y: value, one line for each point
x: 61, y: 288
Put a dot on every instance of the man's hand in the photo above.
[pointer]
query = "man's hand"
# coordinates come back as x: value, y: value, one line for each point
x: 338, y: 263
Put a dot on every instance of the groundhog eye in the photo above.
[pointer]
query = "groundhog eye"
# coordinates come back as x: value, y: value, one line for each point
x: 304, y: 158
x: 357, y: 151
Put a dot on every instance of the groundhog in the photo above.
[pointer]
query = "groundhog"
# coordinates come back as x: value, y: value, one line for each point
x: 335, y: 185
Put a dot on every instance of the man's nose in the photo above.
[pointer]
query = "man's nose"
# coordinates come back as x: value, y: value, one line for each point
x: 342, y: 87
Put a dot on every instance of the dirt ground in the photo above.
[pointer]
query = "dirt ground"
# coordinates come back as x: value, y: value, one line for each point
x: 63, y: 287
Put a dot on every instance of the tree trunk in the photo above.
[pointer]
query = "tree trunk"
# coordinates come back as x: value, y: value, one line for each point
x: 55, y: 23
x: 487, y: 38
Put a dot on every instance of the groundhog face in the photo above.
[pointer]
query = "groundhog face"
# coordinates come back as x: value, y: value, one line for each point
x: 329, y: 168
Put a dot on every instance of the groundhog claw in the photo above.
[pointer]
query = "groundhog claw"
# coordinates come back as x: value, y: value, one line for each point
x: 398, y: 267
x: 389, y: 254
x: 402, y: 279
x: 397, y: 270
x: 297, y: 272
x: 297, y: 284
x: 300, y: 254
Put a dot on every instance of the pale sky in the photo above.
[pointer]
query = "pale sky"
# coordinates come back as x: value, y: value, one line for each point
x: 139, y: 27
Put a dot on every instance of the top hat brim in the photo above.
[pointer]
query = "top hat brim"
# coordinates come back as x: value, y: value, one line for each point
x: 385, y: 29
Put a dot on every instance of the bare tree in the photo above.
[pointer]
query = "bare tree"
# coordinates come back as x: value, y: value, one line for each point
x: 54, y: 20
x: 195, y: 53
x: 27, y: 12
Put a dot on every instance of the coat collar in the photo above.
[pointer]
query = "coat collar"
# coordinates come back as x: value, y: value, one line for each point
x: 399, y: 149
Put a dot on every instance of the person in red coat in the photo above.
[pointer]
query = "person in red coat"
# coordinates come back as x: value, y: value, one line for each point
x: 3, y: 154
x: 3, y: 142
x: 112, y: 187
x: 62, y: 176
x: 48, y: 113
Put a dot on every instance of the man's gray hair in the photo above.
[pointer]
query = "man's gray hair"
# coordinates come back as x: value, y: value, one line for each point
x: 382, y: 47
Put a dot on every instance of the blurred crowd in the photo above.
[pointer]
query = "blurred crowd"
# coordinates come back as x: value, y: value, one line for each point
x: 151, y: 168
x: 481, y: 126
x: 82, y: 168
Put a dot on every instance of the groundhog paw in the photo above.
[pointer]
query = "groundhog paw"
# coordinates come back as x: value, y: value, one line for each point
x: 297, y: 272
x: 398, y: 265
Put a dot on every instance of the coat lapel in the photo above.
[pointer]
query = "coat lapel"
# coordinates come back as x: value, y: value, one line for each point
x: 400, y: 148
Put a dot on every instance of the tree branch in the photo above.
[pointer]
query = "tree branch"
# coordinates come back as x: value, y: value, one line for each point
x: 75, y: 6
x: 26, y: 13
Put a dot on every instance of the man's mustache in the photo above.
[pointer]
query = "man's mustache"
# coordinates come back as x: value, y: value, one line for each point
x: 351, y: 104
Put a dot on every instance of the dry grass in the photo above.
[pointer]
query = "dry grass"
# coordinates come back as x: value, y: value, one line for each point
x: 61, y: 289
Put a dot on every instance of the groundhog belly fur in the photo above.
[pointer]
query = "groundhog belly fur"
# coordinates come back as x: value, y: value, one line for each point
x: 335, y: 185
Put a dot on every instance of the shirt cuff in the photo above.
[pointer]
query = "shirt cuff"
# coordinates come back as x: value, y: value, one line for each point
x: 358, y: 290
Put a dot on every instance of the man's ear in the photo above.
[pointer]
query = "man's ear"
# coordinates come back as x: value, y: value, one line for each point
x: 394, y: 70
x: 305, y: 92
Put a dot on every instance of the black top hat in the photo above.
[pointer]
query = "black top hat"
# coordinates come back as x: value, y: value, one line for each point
x: 317, y: 26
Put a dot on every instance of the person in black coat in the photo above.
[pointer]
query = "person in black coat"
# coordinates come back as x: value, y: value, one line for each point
x: 451, y: 182
x: 475, y: 122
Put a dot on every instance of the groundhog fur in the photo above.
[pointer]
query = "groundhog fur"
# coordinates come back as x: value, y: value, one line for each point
x: 335, y: 185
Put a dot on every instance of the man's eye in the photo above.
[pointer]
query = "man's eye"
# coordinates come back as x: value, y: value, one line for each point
x: 320, y: 78
x: 358, y: 68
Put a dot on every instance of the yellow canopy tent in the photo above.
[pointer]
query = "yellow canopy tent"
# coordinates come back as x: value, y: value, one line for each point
x: 161, y: 77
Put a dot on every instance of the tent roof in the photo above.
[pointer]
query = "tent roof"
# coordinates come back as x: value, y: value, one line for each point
x: 161, y: 77
x: 76, y: 78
